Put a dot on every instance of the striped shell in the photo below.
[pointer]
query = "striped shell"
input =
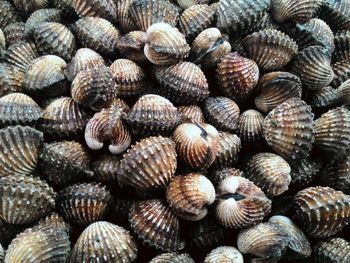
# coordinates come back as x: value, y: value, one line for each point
x: 224, y: 254
x: 324, y: 99
x: 8, y: 14
x: 336, y: 14
x: 250, y: 126
x: 2, y: 44
x: 131, y: 46
x: 344, y: 92
x: 342, y: 46
x: 21, y: 55
x: 11, y: 79
x: 191, y: 113
x: 15, y: 33
x: 219, y: 175
x: 27, y: 7
x: 304, y: 172
x: 335, y: 250
x: 124, y: 21
x: 105, y: 168
x: 2, y: 254
x: 42, y: 15
x: 341, y: 72
x: 172, y: 257
x: 228, y: 151
x: 54, y: 220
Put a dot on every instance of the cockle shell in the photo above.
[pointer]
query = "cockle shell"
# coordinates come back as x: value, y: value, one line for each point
x: 8, y: 14
x: 191, y: 113
x: 341, y: 72
x: 11, y: 79
x: 2, y: 44
x: 131, y: 45
x: 335, y: 250
x: 42, y: 15
x: 27, y: 7
x: 336, y: 14
x: 2, y: 254
x: 106, y: 168
x: 224, y: 254
x: 172, y: 257
x: 54, y: 220
x: 8, y: 232
x: 228, y: 151
x: 184, y: 4
x: 21, y: 55
x: 124, y: 21
x: 266, y: 22
x: 250, y: 126
x: 323, y: 99
x: 219, y: 175
x: 344, y: 92
x: 15, y: 33
x: 342, y: 46
x: 303, y: 172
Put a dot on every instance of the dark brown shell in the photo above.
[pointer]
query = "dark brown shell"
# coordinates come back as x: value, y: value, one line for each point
x: 344, y: 92
x: 27, y: 7
x: 21, y: 55
x: 131, y: 45
x: 54, y: 220
x: 106, y: 168
x: 342, y: 46
x: 124, y: 21
x: 229, y: 148
x: 341, y: 73
x: 184, y: 4
x: 172, y: 257
x: 323, y: 99
x: 15, y: 33
x: 224, y: 254
x: 266, y: 22
x: 250, y: 126
x: 191, y: 113
x: 336, y: 14
x: 42, y: 15
x: 335, y: 250
x: 303, y: 172
x: 11, y: 79
x: 8, y: 14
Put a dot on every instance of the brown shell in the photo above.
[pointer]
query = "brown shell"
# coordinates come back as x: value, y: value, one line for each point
x: 344, y: 92
x: 131, y: 45
x: 184, y: 4
x: 149, y: 164
x: 342, y: 46
x: 172, y: 257
x: 11, y: 79
x: 341, y: 72
x: 124, y: 21
x: 229, y: 148
x: 335, y: 250
x: 54, y: 220
x: 191, y: 113
x: 27, y: 7
x: 42, y: 15
x: 266, y: 22
x: 105, y: 168
x: 324, y: 99
x: 2, y: 44
x: 224, y: 254
x: 218, y: 175
x: 21, y: 55
x: 336, y: 14
x: 303, y: 172
x: 154, y: 222
x: 250, y: 126
x: 8, y: 14
x: 321, y: 211
x: 15, y: 33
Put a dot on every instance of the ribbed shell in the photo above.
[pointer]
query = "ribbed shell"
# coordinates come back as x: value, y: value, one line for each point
x: 2, y: 254
x: 184, y: 4
x: 2, y: 44
x: 42, y: 15
x: 8, y: 14
x: 336, y: 14
x: 21, y: 55
x: 218, y: 175
x: 344, y: 92
x: 104, y: 242
x: 131, y: 46
x: 304, y: 172
x: 15, y: 33
x: 105, y: 168
x: 11, y: 79
x: 288, y: 129
x: 224, y: 254
x: 323, y: 99
x: 334, y: 250
x: 124, y: 21
x: 148, y: 164
x: 155, y: 223
x: 191, y: 113
x: 341, y: 72
x: 24, y: 199
x: 321, y: 211
x: 229, y: 148
x: 189, y: 195
x: 250, y: 126
x: 54, y: 220
x: 342, y: 46
x: 172, y: 257
x: 26, y: 7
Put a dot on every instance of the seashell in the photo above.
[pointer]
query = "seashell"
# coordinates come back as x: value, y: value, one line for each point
x: 98, y: 34
x: 94, y: 88
x: 2, y: 44
x: 240, y: 203
x: 148, y: 164
x: 14, y: 33
x: 195, y: 19
x: 298, y: 11
x: 299, y: 246
x: 129, y: 77
x: 145, y: 13
x: 229, y: 148
x: 156, y: 225
x: 53, y: 38
x: 197, y: 144
x: 11, y: 79
x: 222, y: 112
x: 219, y: 175
x: 121, y: 104
x: 54, y: 220
x: 131, y: 45
x: 344, y: 92
x: 124, y: 21
x: 209, y: 47
x: 19, y: 148
x: 123, y: 202
x: 46, y: 244
x: 341, y: 73
x: 2, y: 254
x: 45, y: 76
x: 8, y: 232
x: 24, y: 199
x: 224, y: 254
x: 288, y: 129
x: 107, y: 125
x: 104, y: 242
x: 172, y: 257
x: 237, y: 76
x: 165, y: 44
x: 336, y: 14
x: 334, y: 250
x: 271, y: 49
x: 106, y: 168
x: 303, y: 172
x: 266, y: 22
x: 332, y: 131
x: 21, y: 55
x: 66, y: 8
x: 64, y: 118
x: 184, y: 4
x: 42, y: 15
x: 265, y: 240
x: 250, y: 126
x: 189, y: 194
x: 191, y: 113
x: 27, y: 7
x: 8, y: 14
x: 321, y: 211
x: 270, y: 172
x: 323, y: 99
x: 342, y: 46
x: 183, y: 83
x: 83, y: 203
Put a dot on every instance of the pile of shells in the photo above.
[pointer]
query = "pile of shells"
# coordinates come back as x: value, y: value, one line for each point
x: 174, y: 131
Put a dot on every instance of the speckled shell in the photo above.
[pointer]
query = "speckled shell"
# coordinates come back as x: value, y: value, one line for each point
x: 131, y: 46
x: 27, y: 7
x: 189, y: 195
x: 11, y: 79
x: 332, y: 131
x: 270, y: 49
x: 42, y: 15
x: 237, y: 76
x: 24, y: 199
x: 344, y: 92
x: 2, y: 44
x: 149, y: 164
x: 288, y: 129
x: 341, y: 72
x: 250, y: 126
x: 172, y: 257
x: 98, y: 34
x: 197, y: 144
x: 270, y: 172
x: 54, y: 220
x: 336, y: 14
x: 19, y: 148
x: 321, y: 211
x: 21, y: 55
x: 154, y: 222
x: 45, y: 244
x: 83, y: 203
x: 334, y: 250
x: 8, y: 14
x: 224, y: 254
x: 324, y: 99
x: 14, y: 33
x: 303, y: 172
x: 342, y: 46
x: 18, y: 108
x: 229, y: 148
x: 165, y: 44
x: 191, y: 113
x: 104, y: 242
x: 105, y: 168
x: 124, y: 21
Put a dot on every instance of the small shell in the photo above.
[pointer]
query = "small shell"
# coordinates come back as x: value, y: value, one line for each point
x: 104, y: 242
x: 270, y: 172
x: 149, y: 164
x: 336, y: 14
x: 219, y: 175
x: 229, y: 148
x: 14, y: 33
x: 11, y: 79
x: 21, y: 55
x: 344, y: 92
x: 270, y: 49
x: 304, y: 172
x: 124, y: 21
x: 250, y: 126
x: 184, y: 4
x: 224, y: 254
x: 105, y: 168
x: 191, y: 113
x: 165, y: 44
x: 131, y: 45
x: 335, y: 250
x: 189, y: 195
x: 324, y: 99
x: 342, y: 46
x: 321, y: 211
x: 42, y: 15
x: 341, y: 72
x: 24, y: 199
x: 8, y: 14
x: 172, y: 257
x: 156, y: 225
x: 27, y: 7
x: 83, y: 203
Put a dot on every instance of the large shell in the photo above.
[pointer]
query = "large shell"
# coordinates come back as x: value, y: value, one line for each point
x: 105, y: 168
x: 229, y: 147
x: 224, y: 254
x: 42, y: 15
x: 11, y: 79
x: 27, y: 7
x: 8, y: 13
x: 344, y: 92
x: 336, y: 14
x: 304, y: 172
x: 24, y: 199
x: 342, y: 46
x: 19, y: 148
x: 104, y: 242
x: 14, y: 33
x: 21, y: 55
x: 288, y: 129
x: 321, y: 211
x: 335, y: 250
x: 172, y: 257
x: 189, y: 195
x: 191, y: 113
x: 124, y: 21
x: 131, y: 46
x: 341, y: 72
x: 149, y: 164
x: 250, y: 126
x: 155, y: 224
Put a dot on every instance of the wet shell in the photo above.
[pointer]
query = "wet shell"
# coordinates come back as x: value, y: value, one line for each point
x: 104, y: 242
x: 131, y: 46
x: 184, y: 4
x: 321, y: 211
x: 18, y: 108
x: 270, y: 172
x: 304, y: 172
x: 149, y: 164
x: 344, y: 92
x: 14, y: 33
x: 342, y: 46
x: 191, y: 113
x: 335, y: 250
x: 341, y: 73
x: 124, y: 21
x: 218, y: 175
x: 224, y: 254
x: 266, y: 22
x: 288, y: 129
x: 54, y: 220
x: 42, y: 15
x: 189, y: 195
x: 270, y: 49
x: 105, y: 168
x: 237, y: 76
x: 250, y: 126
x: 24, y: 199
x: 2, y: 44
x: 27, y: 7
x: 240, y: 203
x: 183, y: 83
x: 21, y: 55
x: 229, y: 148
x: 11, y: 79
x: 156, y: 225
x: 19, y: 148
x: 209, y: 47
x: 336, y: 14
x: 8, y: 14
x: 323, y: 99
x: 83, y: 203
x: 172, y: 257
x: 165, y: 44
x: 197, y: 144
